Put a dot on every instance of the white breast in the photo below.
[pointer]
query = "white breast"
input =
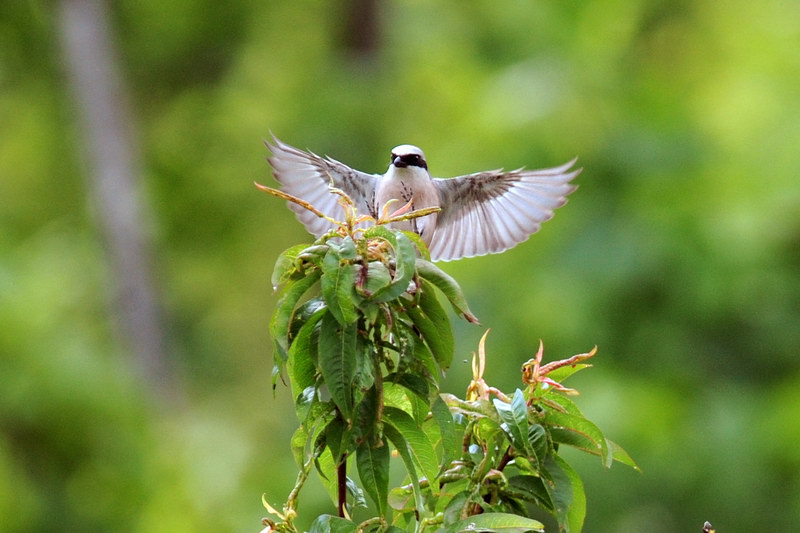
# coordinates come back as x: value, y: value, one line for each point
x: 404, y: 184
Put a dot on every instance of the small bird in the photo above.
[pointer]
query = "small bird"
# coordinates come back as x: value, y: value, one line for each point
x: 482, y: 213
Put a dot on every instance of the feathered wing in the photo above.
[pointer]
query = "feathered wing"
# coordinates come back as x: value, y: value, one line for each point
x: 492, y: 211
x: 308, y: 176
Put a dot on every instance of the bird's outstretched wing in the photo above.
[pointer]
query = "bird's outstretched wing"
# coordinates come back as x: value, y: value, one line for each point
x: 492, y: 211
x: 308, y: 176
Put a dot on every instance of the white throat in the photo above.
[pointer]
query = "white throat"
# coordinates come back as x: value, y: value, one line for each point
x: 409, y: 174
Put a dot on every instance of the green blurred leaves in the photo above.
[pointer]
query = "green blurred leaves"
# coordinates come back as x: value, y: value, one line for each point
x: 676, y: 114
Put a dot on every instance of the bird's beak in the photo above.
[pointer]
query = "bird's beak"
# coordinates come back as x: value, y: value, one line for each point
x: 399, y: 162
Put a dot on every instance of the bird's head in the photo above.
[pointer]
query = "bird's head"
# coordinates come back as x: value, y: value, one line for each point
x: 407, y: 155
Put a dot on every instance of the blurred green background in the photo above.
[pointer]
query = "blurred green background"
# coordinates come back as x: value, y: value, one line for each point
x: 679, y: 256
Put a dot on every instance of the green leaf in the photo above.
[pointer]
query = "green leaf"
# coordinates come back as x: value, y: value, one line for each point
x: 370, y: 312
x: 298, y: 445
x: 402, y: 498
x: 338, y: 277
x: 347, y: 248
x: 512, y: 506
x: 419, y: 243
x: 337, y: 361
x: 432, y: 322
x: 452, y: 511
x: 537, y: 437
x: 332, y: 524
x: 525, y: 466
x: 398, y: 395
x: 424, y: 362
x: 404, y: 449
x: 365, y: 370
x: 478, y: 408
x: 334, y: 437
x: 419, y: 446
x: 560, y: 403
x: 508, y: 523
x: 302, y: 313
x: 285, y: 265
x: 382, y: 232
x: 304, y: 402
x: 488, y: 430
x: 579, y: 432
x: 562, y: 373
x: 566, y: 492
x: 315, y: 427
x: 419, y: 407
x: 326, y: 468
x: 395, y: 396
x: 531, y: 489
x: 378, y: 277
x: 621, y: 456
x: 515, y: 419
x: 355, y: 493
x: 447, y: 430
x: 284, y: 311
x: 415, y: 356
x: 413, y: 383
x: 476, y: 453
x: 366, y: 424
x: 454, y: 474
x: 373, y: 469
x: 404, y: 267
x: 310, y: 410
x: 313, y: 254
x: 303, y: 354
x: 445, y: 283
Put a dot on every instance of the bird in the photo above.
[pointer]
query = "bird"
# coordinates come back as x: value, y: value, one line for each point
x: 482, y: 213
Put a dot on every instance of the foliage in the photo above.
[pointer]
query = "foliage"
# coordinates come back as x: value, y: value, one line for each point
x: 363, y: 355
x: 679, y: 255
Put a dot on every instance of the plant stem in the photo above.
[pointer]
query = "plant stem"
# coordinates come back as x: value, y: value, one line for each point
x: 505, y: 459
x: 467, y: 436
x: 431, y: 521
x: 379, y: 385
x: 302, y: 476
x: 341, y: 478
x: 376, y: 520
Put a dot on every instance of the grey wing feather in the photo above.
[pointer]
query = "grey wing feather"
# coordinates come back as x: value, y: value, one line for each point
x: 308, y: 176
x: 492, y: 211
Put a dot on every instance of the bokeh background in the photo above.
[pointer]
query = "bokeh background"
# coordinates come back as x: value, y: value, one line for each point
x: 679, y: 256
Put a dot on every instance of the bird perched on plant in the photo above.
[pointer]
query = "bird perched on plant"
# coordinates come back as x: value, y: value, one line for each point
x: 482, y: 213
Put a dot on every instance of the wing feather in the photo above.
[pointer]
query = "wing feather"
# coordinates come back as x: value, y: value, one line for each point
x: 526, y: 209
x: 515, y: 225
x: 461, y: 235
x: 489, y: 231
x: 309, y: 176
x: 489, y: 212
x: 506, y: 237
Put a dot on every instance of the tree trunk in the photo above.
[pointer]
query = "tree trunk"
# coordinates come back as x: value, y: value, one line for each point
x: 100, y: 96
